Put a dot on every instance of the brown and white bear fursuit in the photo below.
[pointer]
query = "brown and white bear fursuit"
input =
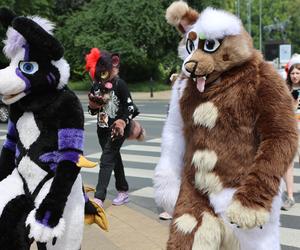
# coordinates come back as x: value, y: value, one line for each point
x: 239, y: 132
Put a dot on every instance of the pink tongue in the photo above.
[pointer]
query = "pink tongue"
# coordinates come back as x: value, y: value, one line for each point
x: 200, y: 84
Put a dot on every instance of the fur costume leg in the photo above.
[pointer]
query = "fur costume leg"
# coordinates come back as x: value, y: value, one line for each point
x: 196, y: 226
x: 14, y: 184
x: 167, y: 177
x: 14, y: 207
x: 266, y: 237
x: 73, y: 215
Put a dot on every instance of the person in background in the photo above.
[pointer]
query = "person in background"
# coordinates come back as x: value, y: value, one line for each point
x: 111, y: 101
x: 293, y: 82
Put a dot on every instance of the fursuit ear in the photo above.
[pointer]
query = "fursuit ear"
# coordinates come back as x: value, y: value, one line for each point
x: 115, y: 59
x: 38, y: 37
x: 6, y: 17
x: 180, y: 15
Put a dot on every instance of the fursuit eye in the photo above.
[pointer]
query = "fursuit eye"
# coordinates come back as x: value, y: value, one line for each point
x: 190, y: 46
x: 28, y: 67
x: 211, y: 45
x: 104, y: 75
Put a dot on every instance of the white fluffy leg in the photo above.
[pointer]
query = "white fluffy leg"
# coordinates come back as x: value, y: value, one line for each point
x: 10, y: 187
x: 74, y: 219
x: 265, y: 238
x: 251, y: 239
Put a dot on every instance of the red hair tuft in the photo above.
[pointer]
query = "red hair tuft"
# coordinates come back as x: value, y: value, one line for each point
x: 91, y: 60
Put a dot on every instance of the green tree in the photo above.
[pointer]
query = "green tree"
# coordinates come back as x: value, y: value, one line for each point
x: 134, y: 28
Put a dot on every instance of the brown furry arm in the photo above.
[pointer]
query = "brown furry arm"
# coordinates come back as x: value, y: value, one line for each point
x: 278, y: 139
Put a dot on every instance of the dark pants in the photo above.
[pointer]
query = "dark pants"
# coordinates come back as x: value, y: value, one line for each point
x: 110, y: 160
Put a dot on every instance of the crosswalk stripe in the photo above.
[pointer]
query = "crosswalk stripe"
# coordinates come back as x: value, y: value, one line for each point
x: 153, y: 115
x: 141, y: 148
x: 129, y: 172
x: 296, y: 187
x: 157, y: 140
x: 131, y: 158
x: 295, y: 211
x: 296, y: 172
x: 290, y: 237
x: 147, y: 192
x: 144, y: 117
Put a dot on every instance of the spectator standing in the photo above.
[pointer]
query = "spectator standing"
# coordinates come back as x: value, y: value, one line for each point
x: 293, y: 82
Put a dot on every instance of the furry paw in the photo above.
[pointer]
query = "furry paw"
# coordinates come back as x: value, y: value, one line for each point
x: 41, y: 232
x: 99, y: 217
x: 245, y: 217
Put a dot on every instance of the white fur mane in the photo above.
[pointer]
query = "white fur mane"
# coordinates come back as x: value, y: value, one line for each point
x: 216, y: 24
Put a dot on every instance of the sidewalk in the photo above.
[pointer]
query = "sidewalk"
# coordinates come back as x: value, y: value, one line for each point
x: 160, y: 95
x: 130, y: 228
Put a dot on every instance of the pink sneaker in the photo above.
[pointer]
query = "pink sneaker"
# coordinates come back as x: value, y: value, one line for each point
x: 99, y: 202
x: 121, y: 199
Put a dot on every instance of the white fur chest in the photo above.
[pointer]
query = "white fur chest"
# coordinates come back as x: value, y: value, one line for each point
x: 28, y: 134
x: 27, y: 129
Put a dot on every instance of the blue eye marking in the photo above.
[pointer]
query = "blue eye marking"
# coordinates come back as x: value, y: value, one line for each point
x: 28, y: 67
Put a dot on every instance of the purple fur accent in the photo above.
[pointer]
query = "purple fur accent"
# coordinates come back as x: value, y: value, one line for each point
x: 56, y: 157
x: 46, y: 218
x: 52, y: 77
x: 17, y: 152
x: 49, y: 79
x: 70, y: 138
x: 13, y: 43
x: 53, y: 166
x: 86, y: 198
x: 9, y: 144
x: 11, y: 129
x: 26, y: 47
x: 15, y: 40
x: 27, y: 82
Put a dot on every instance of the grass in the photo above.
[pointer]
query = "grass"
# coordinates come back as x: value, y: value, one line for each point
x: 133, y: 87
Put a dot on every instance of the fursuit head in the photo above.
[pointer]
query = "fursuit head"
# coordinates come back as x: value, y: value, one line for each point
x: 229, y: 138
x: 41, y: 190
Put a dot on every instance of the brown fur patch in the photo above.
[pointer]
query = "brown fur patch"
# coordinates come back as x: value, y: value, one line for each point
x: 255, y: 137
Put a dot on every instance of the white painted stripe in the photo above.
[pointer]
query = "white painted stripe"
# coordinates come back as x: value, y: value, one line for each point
x: 296, y: 172
x: 142, y: 148
x: 155, y: 115
x: 290, y: 237
x: 3, y: 130
x: 294, y: 211
x: 157, y: 140
x: 296, y: 187
x: 143, y: 114
x: 131, y: 158
x: 2, y: 137
x: 143, y: 118
x: 130, y: 172
x: 93, y: 122
x: 147, y: 192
